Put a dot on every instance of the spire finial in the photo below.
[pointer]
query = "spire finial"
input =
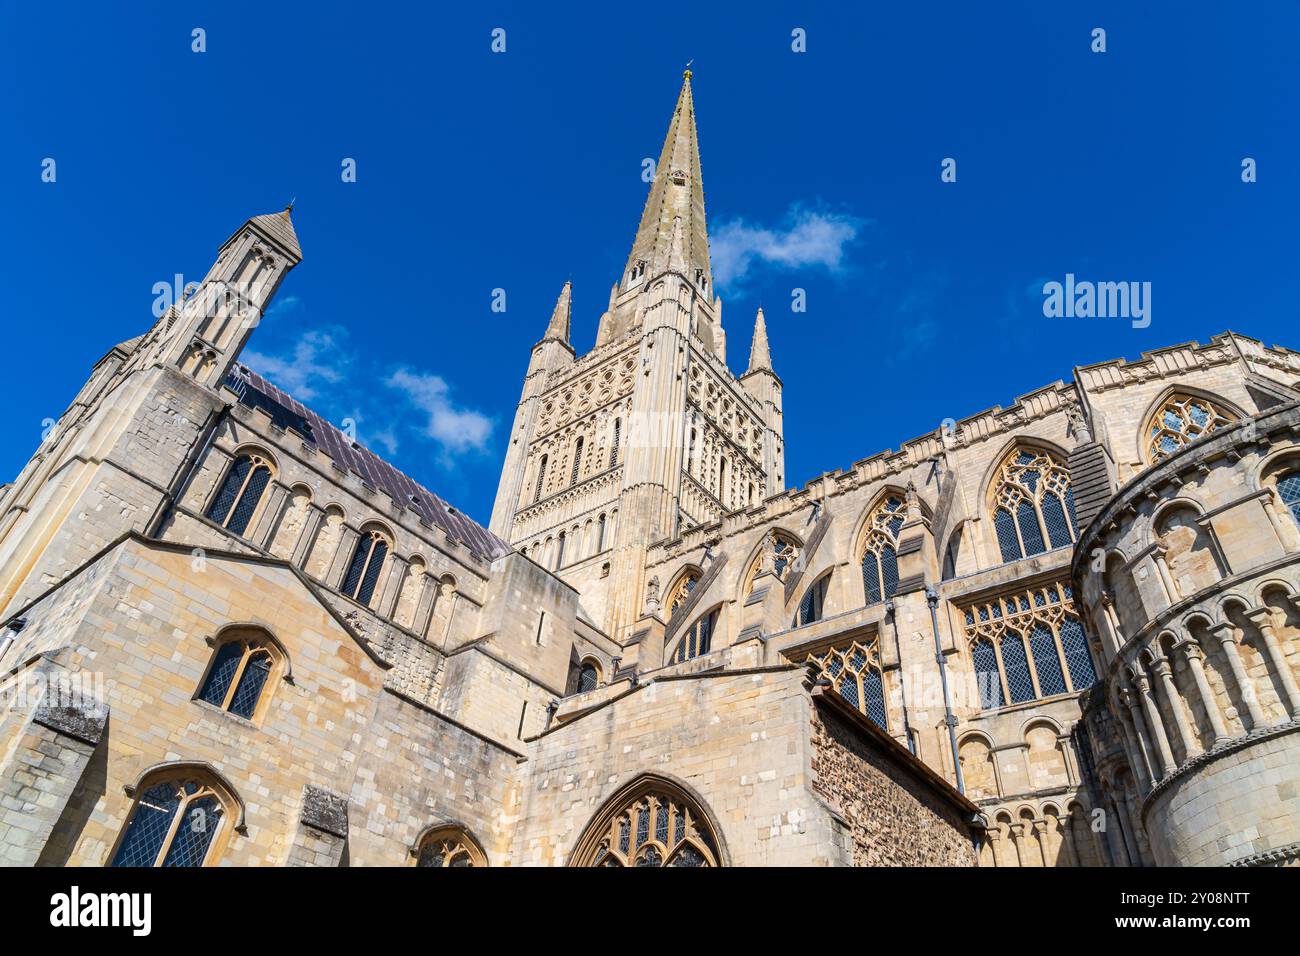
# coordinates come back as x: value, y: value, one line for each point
x: 686, y: 73
x: 289, y: 208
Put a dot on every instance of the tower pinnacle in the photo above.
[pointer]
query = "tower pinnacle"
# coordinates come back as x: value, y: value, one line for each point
x: 558, y: 328
x: 760, y: 356
x: 676, y: 192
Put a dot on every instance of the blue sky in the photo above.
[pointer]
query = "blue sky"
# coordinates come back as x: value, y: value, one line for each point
x: 520, y: 170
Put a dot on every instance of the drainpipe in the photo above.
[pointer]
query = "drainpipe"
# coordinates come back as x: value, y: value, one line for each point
x: 932, y: 599
x: 902, y: 684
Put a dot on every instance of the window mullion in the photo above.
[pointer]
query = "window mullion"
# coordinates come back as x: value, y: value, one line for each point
x: 1002, y: 671
x: 172, y: 827
x: 235, y: 678
x: 1060, y: 652
x: 1033, y: 665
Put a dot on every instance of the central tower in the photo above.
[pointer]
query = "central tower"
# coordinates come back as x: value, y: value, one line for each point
x: 649, y: 433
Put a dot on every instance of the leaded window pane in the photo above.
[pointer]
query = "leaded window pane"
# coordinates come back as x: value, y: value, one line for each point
x: 587, y: 678
x: 243, y: 512
x: 1029, y: 530
x: 1016, y: 664
x: 372, y: 572
x: 1289, y: 488
x: 986, y: 675
x: 357, y: 567
x: 1058, y: 528
x: 1007, y: 540
x: 249, y: 691
x: 194, y: 834
x: 220, y: 506
x: 1181, y: 420
x: 222, y: 673
x: 148, y: 827
x: 1077, y: 657
x: 1047, y: 663
x: 889, y: 569
x: 689, y: 856
x: 871, y: 577
x: 874, y: 690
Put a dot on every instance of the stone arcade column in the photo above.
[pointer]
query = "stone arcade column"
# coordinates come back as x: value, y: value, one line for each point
x: 1262, y: 618
x: 1165, y: 675
x: 1228, y: 635
x: 1135, y: 741
x: 1195, y: 658
x: 1155, y: 725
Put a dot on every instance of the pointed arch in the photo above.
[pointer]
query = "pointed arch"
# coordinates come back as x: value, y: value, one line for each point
x: 448, y: 844
x: 1179, y: 415
x: 682, y: 586
x: 1030, y: 500
x: 182, y: 814
x: 786, y: 547
x: 876, y: 550
x: 652, y: 821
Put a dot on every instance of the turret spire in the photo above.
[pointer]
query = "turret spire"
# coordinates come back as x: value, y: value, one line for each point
x: 676, y: 193
x: 760, y: 356
x: 559, y: 324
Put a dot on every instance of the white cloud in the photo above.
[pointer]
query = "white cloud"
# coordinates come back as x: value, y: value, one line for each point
x: 455, y: 429
x: 806, y: 237
x: 316, y: 361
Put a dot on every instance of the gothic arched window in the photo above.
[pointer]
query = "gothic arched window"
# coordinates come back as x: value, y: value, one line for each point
x: 784, y: 555
x: 697, y: 640
x: 179, y: 819
x: 363, y: 571
x: 240, y: 492
x: 588, y: 677
x: 682, y: 590
x: 240, y: 671
x: 1033, y: 505
x: 654, y: 823
x: 1179, y: 420
x: 880, y: 549
x: 449, y: 847
x: 854, y: 671
x: 813, y: 604
x: 1028, y: 645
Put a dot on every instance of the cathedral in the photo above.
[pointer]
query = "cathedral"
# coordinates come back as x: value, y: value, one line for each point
x: 1061, y: 633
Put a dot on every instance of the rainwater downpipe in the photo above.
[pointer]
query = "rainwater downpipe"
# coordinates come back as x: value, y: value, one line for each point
x: 932, y: 599
x: 902, y: 684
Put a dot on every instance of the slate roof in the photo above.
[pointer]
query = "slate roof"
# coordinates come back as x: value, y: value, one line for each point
x: 256, y: 392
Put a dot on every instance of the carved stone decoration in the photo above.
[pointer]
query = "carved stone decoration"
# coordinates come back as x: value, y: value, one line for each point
x: 652, y: 595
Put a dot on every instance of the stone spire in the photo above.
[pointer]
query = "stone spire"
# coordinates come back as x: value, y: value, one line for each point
x: 559, y: 325
x: 760, y: 356
x: 676, y: 193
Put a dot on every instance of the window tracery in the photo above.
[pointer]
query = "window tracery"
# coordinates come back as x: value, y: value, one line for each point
x: 176, y: 821
x: 1028, y: 645
x: 1182, y: 419
x: 655, y: 827
x: 1033, y: 505
x: 449, y: 847
x: 779, y: 555
x: 854, y: 671
x: 697, y: 640
x: 879, y: 556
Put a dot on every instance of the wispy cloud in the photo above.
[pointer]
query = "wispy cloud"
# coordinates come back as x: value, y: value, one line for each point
x: 424, y: 412
x: 455, y: 429
x: 316, y: 361
x: 805, y: 237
